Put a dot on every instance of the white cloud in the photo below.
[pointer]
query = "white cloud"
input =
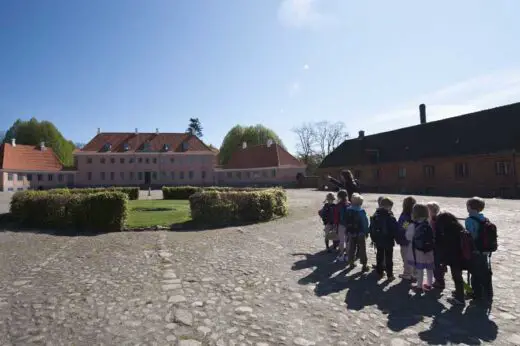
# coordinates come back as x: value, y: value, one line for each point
x: 305, y: 67
x: 300, y: 13
x: 483, y: 92
x: 294, y: 89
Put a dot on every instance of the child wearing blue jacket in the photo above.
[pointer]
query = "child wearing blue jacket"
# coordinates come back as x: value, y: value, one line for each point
x: 356, y: 222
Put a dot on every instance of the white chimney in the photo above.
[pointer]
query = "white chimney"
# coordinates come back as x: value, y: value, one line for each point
x: 244, y: 145
x: 98, y: 130
x: 42, y: 146
x: 136, y: 131
x: 269, y: 142
x: 13, y: 142
x: 157, y: 131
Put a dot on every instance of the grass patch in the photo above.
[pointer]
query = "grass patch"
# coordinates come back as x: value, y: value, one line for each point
x: 149, y: 213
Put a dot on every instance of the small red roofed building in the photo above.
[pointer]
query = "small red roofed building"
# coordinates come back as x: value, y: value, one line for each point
x: 144, y: 159
x: 24, y: 167
x: 265, y: 164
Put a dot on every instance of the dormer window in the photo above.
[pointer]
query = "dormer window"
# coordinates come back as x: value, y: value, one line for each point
x: 107, y: 147
x: 146, y: 146
x: 126, y: 147
x: 166, y: 147
x: 185, y: 146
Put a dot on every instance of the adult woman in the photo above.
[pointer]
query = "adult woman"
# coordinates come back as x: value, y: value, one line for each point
x: 347, y: 183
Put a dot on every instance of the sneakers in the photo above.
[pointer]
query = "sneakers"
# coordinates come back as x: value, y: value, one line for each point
x: 427, y: 287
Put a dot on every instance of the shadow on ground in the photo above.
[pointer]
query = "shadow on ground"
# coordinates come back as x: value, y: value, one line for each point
x: 402, y: 308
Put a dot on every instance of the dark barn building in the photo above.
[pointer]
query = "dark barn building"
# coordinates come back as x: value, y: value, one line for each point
x: 471, y: 154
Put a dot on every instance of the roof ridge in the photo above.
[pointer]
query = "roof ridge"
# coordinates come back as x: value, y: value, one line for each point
x: 440, y: 120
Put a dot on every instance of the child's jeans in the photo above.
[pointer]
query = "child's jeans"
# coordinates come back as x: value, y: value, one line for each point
x: 408, y: 270
x: 420, y: 277
x: 384, y: 260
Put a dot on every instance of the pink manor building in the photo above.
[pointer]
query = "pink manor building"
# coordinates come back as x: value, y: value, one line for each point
x: 145, y: 160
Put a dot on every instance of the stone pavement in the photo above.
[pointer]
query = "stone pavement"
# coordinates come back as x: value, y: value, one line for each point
x: 268, y: 284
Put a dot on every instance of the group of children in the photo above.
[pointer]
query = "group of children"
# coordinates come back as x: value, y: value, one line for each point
x: 429, y: 241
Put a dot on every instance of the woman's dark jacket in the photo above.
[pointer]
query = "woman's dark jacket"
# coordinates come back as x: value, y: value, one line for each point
x: 449, y: 240
x: 351, y: 186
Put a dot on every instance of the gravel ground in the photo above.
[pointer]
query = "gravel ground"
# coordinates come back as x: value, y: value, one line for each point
x: 268, y: 284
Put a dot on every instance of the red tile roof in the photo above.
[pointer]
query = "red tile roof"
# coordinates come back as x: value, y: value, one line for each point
x: 28, y: 158
x: 260, y: 156
x: 136, y: 142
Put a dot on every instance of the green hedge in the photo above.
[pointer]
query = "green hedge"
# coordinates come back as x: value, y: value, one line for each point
x: 184, y: 192
x: 179, y: 192
x: 218, y: 208
x: 131, y: 192
x: 100, y: 211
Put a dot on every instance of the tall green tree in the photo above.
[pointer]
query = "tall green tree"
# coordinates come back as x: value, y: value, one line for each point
x: 195, y: 127
x: 252, y: 135
x: 33, y: 132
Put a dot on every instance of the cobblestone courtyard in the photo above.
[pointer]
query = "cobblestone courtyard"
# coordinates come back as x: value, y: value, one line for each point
x: 267, y: 284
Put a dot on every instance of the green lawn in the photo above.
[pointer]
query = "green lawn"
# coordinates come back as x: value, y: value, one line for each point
x: 148, y: 213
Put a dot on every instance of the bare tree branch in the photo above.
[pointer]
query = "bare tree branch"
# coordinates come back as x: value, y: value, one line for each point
x: 306, y: 140
x: 329, y: 136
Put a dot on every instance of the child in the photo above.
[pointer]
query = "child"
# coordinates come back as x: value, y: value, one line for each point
x: 485, y: 235
x: 339, y: 212
x: 327, y: 216
x: 404, y: 221
x: 379, y: 199
x: 420, y: 254
x: 440, y: 269
x: 356, y: 223
x: 457, y: 252
x: 383, y: 229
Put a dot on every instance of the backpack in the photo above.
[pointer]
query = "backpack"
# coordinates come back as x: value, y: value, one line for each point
x: 423, y: 237
x: 379, y: 228
x: 327, y: 213
x: 467, y: 247
x: 487, y: 238
x: 352, y: 220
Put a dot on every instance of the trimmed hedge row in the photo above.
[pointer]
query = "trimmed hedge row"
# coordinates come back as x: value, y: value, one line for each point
x: 100, y: 211
x: 217, y: 208
x: 131, y: 192
x: 184, y: 192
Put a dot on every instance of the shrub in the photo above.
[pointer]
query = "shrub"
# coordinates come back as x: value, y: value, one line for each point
x: 100, y: 211
x: 131, y: 192
x: 179, y: 192
x: 230, y: 207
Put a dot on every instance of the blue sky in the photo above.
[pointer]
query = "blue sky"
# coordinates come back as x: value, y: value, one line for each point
x: 152, y: 64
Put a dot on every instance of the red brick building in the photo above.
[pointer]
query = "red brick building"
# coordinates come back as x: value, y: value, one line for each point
x: 472, y: 154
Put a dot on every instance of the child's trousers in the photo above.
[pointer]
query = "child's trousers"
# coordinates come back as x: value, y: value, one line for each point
x: 357, y: 243
x: 408, y: 270
x: 420, y: 277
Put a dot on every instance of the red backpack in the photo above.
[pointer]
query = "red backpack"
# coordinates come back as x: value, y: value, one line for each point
x: 467, y: 247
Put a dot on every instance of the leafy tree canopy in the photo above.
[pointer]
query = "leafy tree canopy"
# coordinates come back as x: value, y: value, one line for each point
x: 252, y: 135
x: 33, y: 132
x: 195, y: 127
